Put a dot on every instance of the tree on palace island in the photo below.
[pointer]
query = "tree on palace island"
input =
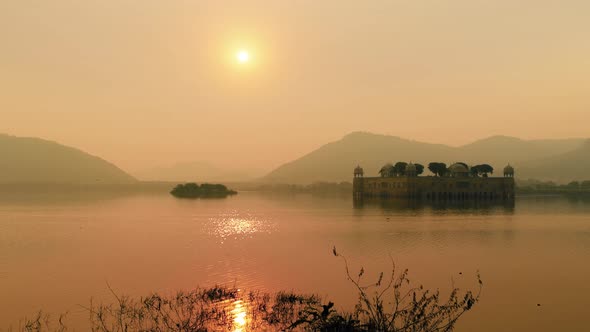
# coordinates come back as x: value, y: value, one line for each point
x: 400, y: 168
x: 387, y: 170
x: 419, y: 169
x: 482, y: 170
x: 438, y: 169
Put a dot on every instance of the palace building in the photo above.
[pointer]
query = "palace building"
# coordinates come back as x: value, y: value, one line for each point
x: 458, y: 182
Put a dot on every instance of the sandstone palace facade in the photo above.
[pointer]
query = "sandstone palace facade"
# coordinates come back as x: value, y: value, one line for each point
x: 458, y: 182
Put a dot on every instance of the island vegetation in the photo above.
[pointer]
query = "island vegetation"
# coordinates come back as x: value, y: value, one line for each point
x: 398, y: 169
x: 437, y: 168
x: 317, y: 188
x: 205, y: 190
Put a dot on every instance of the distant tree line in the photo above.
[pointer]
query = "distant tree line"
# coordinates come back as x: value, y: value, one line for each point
x: 538, y: 186
x: 319, y: 188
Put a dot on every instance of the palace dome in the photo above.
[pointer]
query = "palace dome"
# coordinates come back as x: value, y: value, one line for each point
x: 410, y: 167
x: 458, y: 168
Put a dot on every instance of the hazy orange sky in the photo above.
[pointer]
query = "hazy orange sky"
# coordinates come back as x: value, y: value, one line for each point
x: 151, y: 83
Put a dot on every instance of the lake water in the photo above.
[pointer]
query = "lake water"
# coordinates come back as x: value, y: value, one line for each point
x: 58, y: 252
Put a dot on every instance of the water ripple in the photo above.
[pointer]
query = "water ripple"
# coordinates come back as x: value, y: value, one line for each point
x: 237, y: 226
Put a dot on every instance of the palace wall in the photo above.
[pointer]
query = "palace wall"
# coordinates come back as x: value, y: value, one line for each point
x: 435, y: 188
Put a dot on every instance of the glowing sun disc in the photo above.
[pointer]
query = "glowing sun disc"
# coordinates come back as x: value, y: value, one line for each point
x: 243, y: 56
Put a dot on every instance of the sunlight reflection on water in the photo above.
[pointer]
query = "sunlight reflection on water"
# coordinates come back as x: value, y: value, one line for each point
x: 238, y: 312
x: 239, y: 315
x: 233, y: 225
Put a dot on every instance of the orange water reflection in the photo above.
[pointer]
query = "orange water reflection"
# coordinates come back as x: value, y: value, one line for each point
x: 239, y: 226
x: 239, y: 316
x: 238, y: 313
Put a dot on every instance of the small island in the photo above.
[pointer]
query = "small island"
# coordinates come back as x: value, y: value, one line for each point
x: 205, y: 190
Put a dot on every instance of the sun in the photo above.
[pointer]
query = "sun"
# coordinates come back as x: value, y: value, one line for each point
x: 243, y: 56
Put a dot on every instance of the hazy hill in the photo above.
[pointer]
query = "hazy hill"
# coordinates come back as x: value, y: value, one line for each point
x: 335, y: 161
x: 33, y: 160
x: 500, y: 150
x: 198, y: 171
x: 565, y: 167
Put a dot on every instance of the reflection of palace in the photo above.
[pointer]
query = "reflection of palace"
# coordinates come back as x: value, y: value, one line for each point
x: 458, y: 183
x: 419, y: 206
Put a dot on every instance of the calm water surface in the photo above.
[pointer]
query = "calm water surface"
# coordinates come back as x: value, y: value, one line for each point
x: 58, y: 252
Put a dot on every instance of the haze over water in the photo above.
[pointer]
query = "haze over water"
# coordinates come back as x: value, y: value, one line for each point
x: 56, y: 253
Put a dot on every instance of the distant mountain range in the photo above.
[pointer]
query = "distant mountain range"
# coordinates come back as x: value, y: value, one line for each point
x: 564, y: 167
x: 33, y: 160
x: 558, y: 160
